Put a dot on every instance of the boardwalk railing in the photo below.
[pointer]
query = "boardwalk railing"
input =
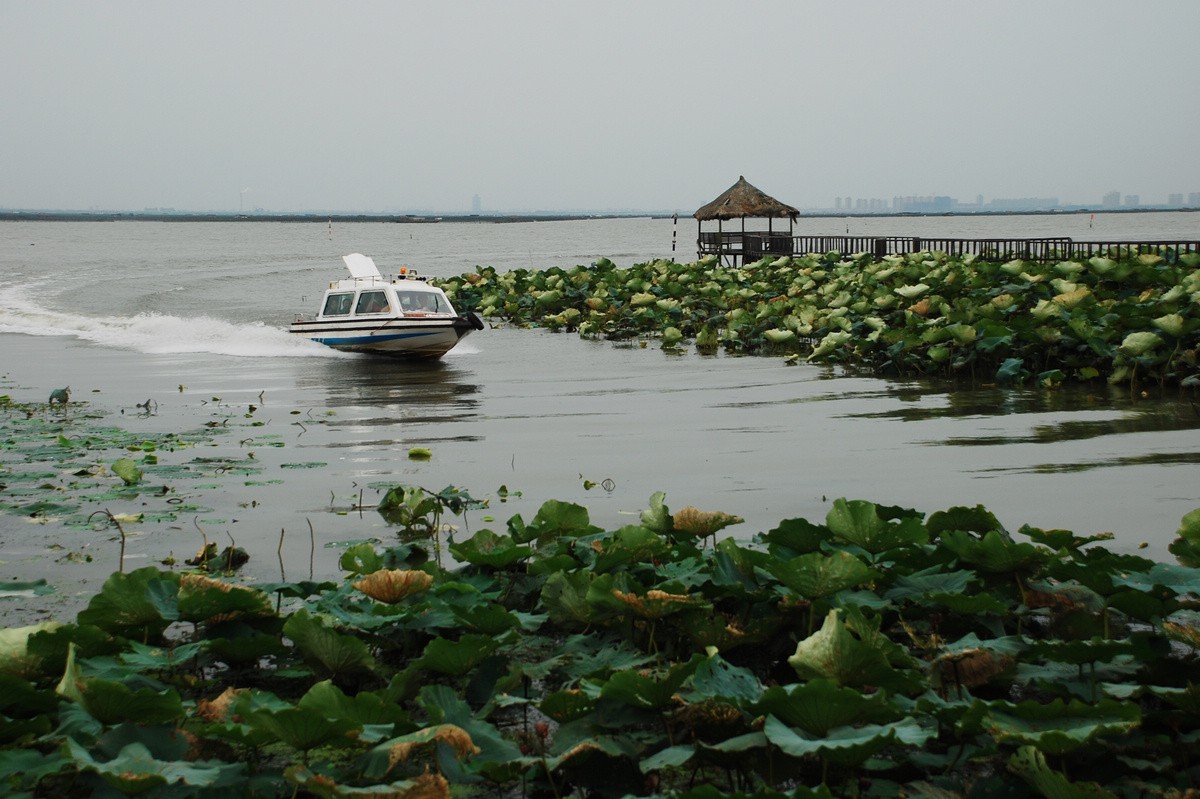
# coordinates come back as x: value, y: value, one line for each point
x: 747, y: 247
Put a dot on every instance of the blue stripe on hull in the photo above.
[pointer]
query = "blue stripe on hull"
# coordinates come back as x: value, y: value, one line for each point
x: 351, y: 341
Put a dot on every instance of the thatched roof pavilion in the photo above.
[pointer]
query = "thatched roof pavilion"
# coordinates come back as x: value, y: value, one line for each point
x: 739, y: 201
x: 742, y: 200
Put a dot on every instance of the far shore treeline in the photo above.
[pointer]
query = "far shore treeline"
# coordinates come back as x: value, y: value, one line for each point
x: 425, y: 217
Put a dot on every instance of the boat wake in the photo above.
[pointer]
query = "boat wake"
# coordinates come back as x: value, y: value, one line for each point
x: 155, y: 333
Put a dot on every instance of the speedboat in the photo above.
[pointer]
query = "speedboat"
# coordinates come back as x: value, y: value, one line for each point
x: 403, y: 317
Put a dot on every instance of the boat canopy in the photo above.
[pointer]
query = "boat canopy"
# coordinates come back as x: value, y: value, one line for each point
x: 361, y: 266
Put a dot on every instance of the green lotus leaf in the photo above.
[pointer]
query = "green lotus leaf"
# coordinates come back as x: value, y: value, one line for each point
x: 139, y: 604
x: 142, y: 658
x: 1062, y: 539
x: 554, y: 519
x: 716, y: 677
x: 795, y: 537
x: 816, y: 575
x: 361, y: 559
x: 457, y: 657
x: 1030, y: 765
x: 977, y: 520
x: 127, y: 470
x: 1058, y: 727
x: 857, y: 522
x: 911, y: 292
x: 630, y: 544
x: 15, y: 658
x: 1174, y: 578
x: 1140, y: 343
x: 778, y: 337
x: 821, y: 705
x: 25, y: 768
x: 829, y: 344
x: 206, y: 599
x: 670, y: 757
x: 324, y: 787
x: 327, y: 651
x: 1186, y: 546
x: 994, y: 552
x: 657, y: 517
x: 485, y: 548
x: 933, y: 580
x: 845, y: 745
x: 111, y: 702
x: 135, y: 770
x: 1014, y: 268
x: 1011, y: 371
x: 1045, y: 309
x: 1172, y: 324
x: 1102, y: 266
x: 488, y: 619
x: 834, y: 653
x: 671, y: 335
x: 648, y: 692
x: 565, y: 597
x: 364, y: 708
x: 567, y: 705
x: 301, y: 728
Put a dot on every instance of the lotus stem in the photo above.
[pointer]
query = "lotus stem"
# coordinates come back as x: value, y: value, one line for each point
x: 279, y: 554
x: 312, y: 547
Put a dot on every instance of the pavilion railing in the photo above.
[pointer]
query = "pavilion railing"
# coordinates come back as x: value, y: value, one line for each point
x: 747, y: 246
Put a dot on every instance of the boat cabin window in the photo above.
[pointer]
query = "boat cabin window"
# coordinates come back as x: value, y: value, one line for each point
x: 338, y: 304
x: 371, y: 302
x: 421, y: 302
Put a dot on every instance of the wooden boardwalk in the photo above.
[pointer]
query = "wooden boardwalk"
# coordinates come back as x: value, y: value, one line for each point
x: 751, y: 246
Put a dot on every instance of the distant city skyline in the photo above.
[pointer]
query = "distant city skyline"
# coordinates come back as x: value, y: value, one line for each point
x: 947, y: 204
x: 927, y: 204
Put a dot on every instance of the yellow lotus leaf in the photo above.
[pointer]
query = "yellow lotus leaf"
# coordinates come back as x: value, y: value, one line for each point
x: 1182, y: 633
x: 1072, y: 298
x: 655, y: 604
x: 199, y: 582
x: 702, y: 523
x: 393, y: 585
x: 454, y: 736
x: 217, y: 711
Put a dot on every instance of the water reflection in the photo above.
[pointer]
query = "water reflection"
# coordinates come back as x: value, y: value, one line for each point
x: 367, y: 392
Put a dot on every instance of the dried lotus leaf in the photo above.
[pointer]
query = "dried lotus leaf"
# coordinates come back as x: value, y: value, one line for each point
x: 702, y: 523
x: 393, y: 585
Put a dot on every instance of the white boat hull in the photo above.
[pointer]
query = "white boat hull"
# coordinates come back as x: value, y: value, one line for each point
x: 398, y: 338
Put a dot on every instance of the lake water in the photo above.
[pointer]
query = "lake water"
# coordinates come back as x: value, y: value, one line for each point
x: 190, y: 316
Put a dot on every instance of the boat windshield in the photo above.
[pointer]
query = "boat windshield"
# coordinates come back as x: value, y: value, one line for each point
x: 422, y: 302
x: 371, y: 302
x: 338, y: 304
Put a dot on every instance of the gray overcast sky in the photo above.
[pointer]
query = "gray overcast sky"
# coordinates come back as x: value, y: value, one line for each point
x: 384, y: 106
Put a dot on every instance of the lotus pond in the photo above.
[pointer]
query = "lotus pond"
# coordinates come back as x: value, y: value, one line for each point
x: 1130, y: 321
x: 876, y: 652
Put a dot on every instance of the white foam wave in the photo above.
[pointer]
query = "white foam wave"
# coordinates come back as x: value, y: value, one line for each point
x: 155, y: 333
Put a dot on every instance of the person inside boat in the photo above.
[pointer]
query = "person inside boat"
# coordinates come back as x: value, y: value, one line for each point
x: 411, y: 302
x: 338, y: 304
x: 372, y: 302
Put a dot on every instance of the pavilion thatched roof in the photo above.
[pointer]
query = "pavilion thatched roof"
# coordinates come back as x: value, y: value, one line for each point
x: 742, y: 200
